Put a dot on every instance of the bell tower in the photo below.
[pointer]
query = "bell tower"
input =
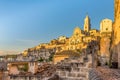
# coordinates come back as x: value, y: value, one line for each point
x: 87, y: 24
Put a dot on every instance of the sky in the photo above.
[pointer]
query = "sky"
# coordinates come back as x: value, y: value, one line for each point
x: 27, y: 23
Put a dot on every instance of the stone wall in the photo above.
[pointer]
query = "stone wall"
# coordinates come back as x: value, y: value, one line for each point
x: 25, y: 78
x: 73, y: 69
x: 30, y: 77
x: 4, y: 75
x: 74, y: 74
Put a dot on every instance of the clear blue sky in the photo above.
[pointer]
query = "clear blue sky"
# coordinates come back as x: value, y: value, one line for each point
x: 26, y: 23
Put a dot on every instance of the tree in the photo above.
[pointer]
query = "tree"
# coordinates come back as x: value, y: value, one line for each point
x: 41, y: 59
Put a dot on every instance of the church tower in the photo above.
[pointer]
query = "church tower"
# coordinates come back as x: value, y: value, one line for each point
x: 87, y: 24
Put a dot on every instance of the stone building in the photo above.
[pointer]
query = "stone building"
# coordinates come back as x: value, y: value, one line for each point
x: 94, y: 32
x: 106, y: 26
x: 17, y: 67
x: 105, y: 39
x: 75, y: 41
x: 62, y: 39
x: 34, y: 54
x: 43, y: 72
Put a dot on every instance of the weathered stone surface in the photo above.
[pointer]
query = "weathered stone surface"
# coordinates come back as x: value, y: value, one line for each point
x: 71, y: 74
x: 116, y: 35
x: 81, y: 75
x: 105, y: 46
x: 62, y: 73
x: 76, y: 69
x: 104, y: 74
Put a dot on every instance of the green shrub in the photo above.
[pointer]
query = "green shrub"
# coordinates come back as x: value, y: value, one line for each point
x: 41, y: 59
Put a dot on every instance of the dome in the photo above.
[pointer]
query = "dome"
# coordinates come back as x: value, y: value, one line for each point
x: 106, y: 20
x: 77, y: 30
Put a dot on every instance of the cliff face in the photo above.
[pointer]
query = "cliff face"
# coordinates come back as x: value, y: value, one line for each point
x: 105, y: 46
x: 115, y: 50
x: 105, y: 43
x: 116, y: 26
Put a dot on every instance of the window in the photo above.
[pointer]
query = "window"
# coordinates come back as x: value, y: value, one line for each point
x: 106, y: 29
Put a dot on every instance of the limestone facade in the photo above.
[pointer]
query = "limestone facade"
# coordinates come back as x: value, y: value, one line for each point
x: 116, y: 33
x: 106, y: 26
x: 105, y: 46
x: 116, y: 26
